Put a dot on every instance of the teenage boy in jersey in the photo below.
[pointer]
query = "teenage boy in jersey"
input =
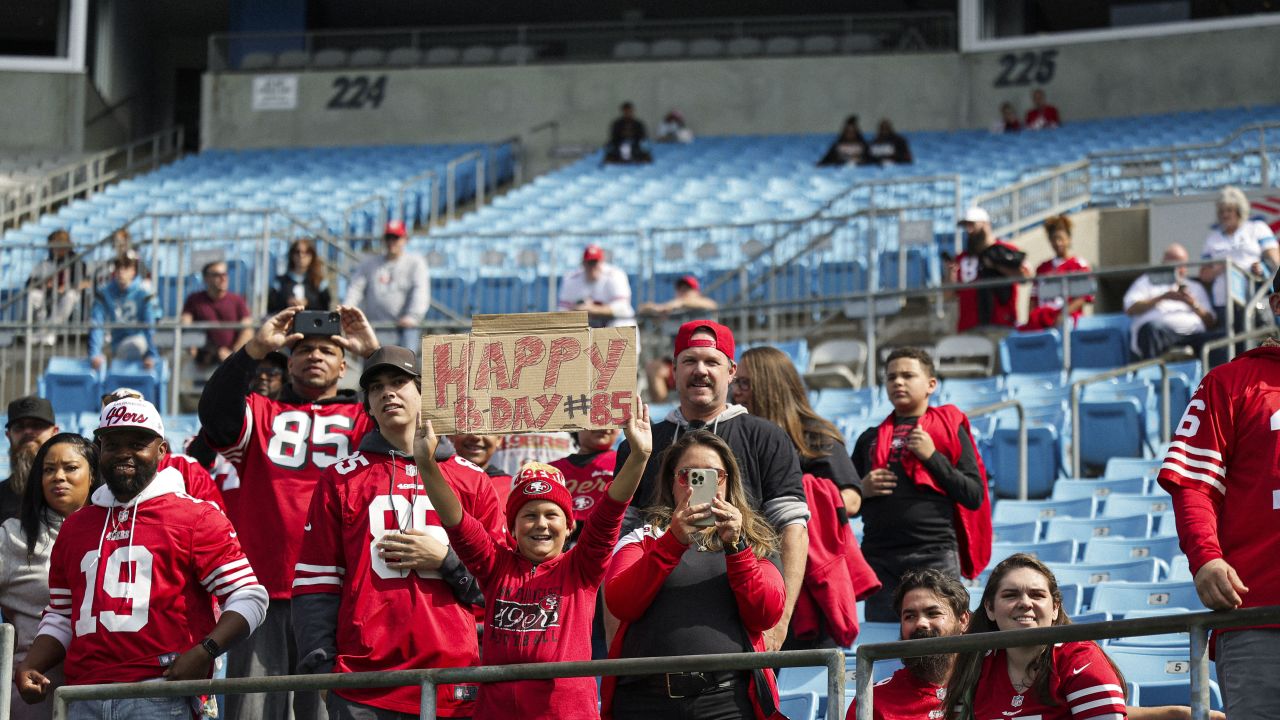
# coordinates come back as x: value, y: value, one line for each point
x: 924, y: 489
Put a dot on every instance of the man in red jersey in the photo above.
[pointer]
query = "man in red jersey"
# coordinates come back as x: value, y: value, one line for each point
x: 279, y: 448
x: 362, y: 600
x: 197, y: 481
x: 133, y: 576
x: 986, y: 257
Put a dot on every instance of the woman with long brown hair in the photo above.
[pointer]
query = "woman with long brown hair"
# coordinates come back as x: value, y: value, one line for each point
x: 303, y: 283
x: 676, y: 584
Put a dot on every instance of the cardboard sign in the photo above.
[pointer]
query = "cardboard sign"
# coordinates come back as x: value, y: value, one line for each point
x: 534, y: 372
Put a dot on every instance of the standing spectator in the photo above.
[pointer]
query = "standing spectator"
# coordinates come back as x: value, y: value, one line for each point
x: 479, y: 450
x: 1009, y: 122
x: 56, y: 284
x: 673, y: 129
x: 600, y: 288
x: 304, y: 283
x: 65, y: 471
x: 394, y: 287
x: 1047, y: 311
x: 1042, y: 115
x: 1166, y: 315
x: 688, y: 303
x: 161, y: 558
x: 849, y: 148
x: 1248, y: 244
x: 279, y: 448
x: 217, y: 304
x: 986, y: 257
x: 677, y: 585
x: 588, y: 472
x: 540, y: 597
x: 392, y: 606
x: 888, y: 147
x: 704, y: 352
x: 627, y: 136
x: 30, y: 422
x: 924, y: 489
x: 124, y: 301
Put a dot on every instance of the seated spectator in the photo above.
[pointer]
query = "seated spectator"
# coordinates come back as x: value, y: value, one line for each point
x: 1047, y: 311
x: 688, y: 297
x: 393, y: 287
x: 696, y: 576
x: 1168, y: 315
x: 217, y: 304
x: 600, y: 288
x: 124, y: 300
x: 64, y: 474
x: 1042, y: 115
x: 55, y: 285
x: 1249, y: 244
x: 627, y: 137
x: 986, y: 257
x: 479, y: 450
x: 121, y: 244
x: 1031, y: 681
x: 1009, y: 122
x: 673, y: 129
x: 888, y: 147
x: 304, y: 283
x: 850, y: 148
x: 540, y: 598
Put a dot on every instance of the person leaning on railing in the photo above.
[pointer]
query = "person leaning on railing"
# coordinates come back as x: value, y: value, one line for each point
x: 681, y: 588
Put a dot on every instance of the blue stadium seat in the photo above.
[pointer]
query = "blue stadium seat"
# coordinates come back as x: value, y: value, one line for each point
x: 798, y: 706
x: 1083, y: 530
x: 1180, y: 569
x: 1008, y: 511
x: 1117, y: 428
x: 71, y: 385
x: 132, y: 374
x: 1117, y: 504
x: 1121, y: 598
x: 1161, y: 673
x: 877, y: 632
x: 1044, y: 455
x: 1031, y: 352
x: 1016, y: 532
x: 1089, y: 575
x: 1173, y: 692
x: 1117, y: 548
x: 1101, y: 348
x: 1071, y: 488
x: 1055, y: 551
x: 1123, y: 467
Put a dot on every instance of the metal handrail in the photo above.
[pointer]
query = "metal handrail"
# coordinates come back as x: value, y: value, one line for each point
x: 7, y: 635
x: 1022, y: 436
x: 450, y: 181
x: 428, y: 679
x: 1255, y: 334
x: 1213, y: 145
x: 1057, y: 205
x: 1078, y: 385
x: 1197, y: 624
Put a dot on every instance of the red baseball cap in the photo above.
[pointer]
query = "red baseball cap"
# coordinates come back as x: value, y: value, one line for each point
x: 535, y: 482
x: 593, y: 253
x: 395, y: 228
x: 689, y: 280
x: 723, y: 337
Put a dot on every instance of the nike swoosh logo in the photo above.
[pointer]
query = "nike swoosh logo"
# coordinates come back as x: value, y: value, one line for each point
x: 1080, y: 669
x: 233, y: 533
x: 307, y: 527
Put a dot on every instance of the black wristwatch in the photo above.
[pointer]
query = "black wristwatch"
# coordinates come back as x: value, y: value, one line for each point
x: 210, y: 646
x: 739, y: 546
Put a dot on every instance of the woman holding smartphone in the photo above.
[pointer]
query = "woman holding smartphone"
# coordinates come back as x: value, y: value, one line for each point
x: 701, y: 576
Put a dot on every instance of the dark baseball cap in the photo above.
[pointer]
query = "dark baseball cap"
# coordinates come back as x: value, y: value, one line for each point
x: 31, y: 406
x: 389, y: 356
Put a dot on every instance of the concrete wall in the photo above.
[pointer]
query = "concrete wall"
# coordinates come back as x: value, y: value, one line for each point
x: 42, y: 111
x: 775, y: 95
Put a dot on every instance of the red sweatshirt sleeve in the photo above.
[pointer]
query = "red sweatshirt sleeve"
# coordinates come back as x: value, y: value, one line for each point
x: 757, y: 588
x: 475, y: 547
x: 1196, y: 513
x: 599, y: 535
x: 637, y: 573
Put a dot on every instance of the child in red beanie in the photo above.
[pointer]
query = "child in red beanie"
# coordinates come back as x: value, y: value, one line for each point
x: 540, y: 598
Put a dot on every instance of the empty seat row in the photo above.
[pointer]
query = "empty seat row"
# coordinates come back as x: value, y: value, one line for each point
x: 372, y: 57
x: 747, y: 46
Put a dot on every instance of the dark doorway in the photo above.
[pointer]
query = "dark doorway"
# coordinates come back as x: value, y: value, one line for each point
x: 186, y: 105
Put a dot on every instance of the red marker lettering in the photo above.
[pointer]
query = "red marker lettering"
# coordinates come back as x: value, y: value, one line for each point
x: 549, y: 405
x: 522, y: 416
x: 492, y: 363
x: 563, y: 349
x: 529, y: 352
x: 447, y: 374
x: 606, y: 368
x: 499, y: 413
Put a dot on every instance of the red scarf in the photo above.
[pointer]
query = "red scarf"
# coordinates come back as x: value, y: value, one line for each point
x: 973, y: 527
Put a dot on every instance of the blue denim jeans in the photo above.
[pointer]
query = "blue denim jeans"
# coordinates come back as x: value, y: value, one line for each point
x: 132, y: 709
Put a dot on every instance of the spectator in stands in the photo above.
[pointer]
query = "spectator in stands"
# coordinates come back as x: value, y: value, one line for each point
x: 673, y: 129
x: 30, y: 422
x: 1249, y: 244
x: 268, y: 379
x: 688, y: 303
x: 407, y: 606
x: 304, y: 283
x: 849, y: 148
x: 627, y: 137
x: 924, y: 489
x: 699, y: 577
x: 1046, y: 312
x: 394, y: 287
x: 540, y: 597
x: 196, y: 480
x: 278, y: 464
x: 56, y: 284
x: 588, y: 472
x: 63, y: 475
x: 121, y: 245
x: 479, y: 450
x: 888, y: 147
x: 704, y: 352
x: 1023, y: 593
x: 600, y: 288
x: 1042, y: 115
x: 217, y: 304
x: 1166, y: 315
x: 1009, y: 122
x: 516, y: 451
x: 124, y: 301
x: 986, y: 257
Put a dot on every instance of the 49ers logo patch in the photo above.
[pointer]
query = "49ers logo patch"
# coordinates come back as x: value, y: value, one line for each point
x: 583, y: 502
x: 527, y: 617
x: 537, y: 487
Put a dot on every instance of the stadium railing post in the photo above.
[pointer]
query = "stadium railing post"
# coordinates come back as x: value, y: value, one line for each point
x: 427, y: 706
x: 6, y: 668
x: 1199, y: 672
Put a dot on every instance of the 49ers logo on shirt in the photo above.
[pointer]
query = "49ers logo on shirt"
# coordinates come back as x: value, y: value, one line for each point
x: 527, y: 617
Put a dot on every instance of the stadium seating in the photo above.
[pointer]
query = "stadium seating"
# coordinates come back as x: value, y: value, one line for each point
x: 1161, y: 674
x: 1008, y: 511
x: 1101, y: 488
x: 71, y: 385
x: 1121, y: 598
x: 1031, y: 352
x: 1049, y: 551
x: 1083, y: 529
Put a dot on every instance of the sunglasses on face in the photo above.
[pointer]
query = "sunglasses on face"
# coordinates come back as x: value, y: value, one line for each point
x: 682, y: 474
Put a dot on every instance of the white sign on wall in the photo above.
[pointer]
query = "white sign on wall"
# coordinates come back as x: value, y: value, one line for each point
x: 275, y: 92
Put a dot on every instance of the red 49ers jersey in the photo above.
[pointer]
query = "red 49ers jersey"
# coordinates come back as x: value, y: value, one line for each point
x: 391, y: 619
x: 1081, y: 682
x: 138, y: 583
x: 588, y: 482
x: 904, y: 697
x: 198, y: 482
x: 1228, y: 446
x: 281, y: 452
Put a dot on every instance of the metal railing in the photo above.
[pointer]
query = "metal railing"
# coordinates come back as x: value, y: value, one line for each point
x: 428, y: 679
x: 7, y: 635
x: 1232, y: 340
x: 1022, y: 436
x: 1015, y: 207
x: 1078, y: 386
x: 1197, y: 624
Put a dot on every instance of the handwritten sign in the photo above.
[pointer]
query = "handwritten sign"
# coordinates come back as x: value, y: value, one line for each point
x: 534, y: 372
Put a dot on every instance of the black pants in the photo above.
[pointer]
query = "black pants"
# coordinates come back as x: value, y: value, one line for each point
x: 638, y: 702
x: 890, y: 569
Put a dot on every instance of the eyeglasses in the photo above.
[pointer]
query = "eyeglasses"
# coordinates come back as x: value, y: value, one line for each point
x: 682, y: 474
x: 743, y: 383
x: 300, y: 251
x: 212, y: 274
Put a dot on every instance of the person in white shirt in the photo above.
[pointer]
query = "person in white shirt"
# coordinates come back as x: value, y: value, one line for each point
x: 601, y: 289
x: 1247, y: 243
x: 394, y: 287
x: 1167, y: 315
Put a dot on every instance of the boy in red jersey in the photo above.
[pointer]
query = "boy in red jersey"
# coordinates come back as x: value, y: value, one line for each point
x: 588, y: 472
x: 133, y: 576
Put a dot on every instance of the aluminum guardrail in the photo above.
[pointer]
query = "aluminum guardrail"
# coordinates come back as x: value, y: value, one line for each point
x: 7, y: 635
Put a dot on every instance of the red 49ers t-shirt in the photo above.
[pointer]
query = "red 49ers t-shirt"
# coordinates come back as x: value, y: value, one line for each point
x: 904, y: 697
x: 587, y: 476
